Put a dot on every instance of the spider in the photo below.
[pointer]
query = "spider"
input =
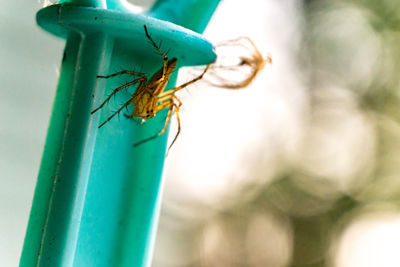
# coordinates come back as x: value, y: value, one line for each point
x: 150, y: 97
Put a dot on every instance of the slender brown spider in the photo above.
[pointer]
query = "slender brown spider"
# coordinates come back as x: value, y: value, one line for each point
x: 149, y: 97
x: 240, y: 73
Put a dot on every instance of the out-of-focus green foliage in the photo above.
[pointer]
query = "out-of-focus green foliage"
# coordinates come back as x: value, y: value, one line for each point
x: 348, y: 161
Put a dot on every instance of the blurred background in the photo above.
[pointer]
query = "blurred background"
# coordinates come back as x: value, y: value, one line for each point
x: 299, y: 169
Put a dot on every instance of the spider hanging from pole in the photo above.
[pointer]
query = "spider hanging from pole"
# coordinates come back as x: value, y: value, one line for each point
x: 149, y: 96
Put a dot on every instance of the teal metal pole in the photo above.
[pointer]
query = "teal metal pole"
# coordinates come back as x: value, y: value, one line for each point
x: 191, y: 14
x: 97, y: 197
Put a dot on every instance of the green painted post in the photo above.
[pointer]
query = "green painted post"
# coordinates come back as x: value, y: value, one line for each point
x: 97, y: 196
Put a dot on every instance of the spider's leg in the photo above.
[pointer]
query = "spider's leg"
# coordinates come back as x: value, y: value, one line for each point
x: 169, y: 97
x: 170, y: 105
x: 179, y: 126
x: 173, y: 90
x: 123, y: 72
x: 160, y: 51
x: 115, y: 113
x: 141, y: 82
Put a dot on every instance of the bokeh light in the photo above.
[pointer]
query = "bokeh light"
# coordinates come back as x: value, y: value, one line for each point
x: 371, y: 239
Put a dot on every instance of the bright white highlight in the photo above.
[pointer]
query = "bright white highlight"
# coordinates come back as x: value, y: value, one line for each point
x: 371, y: 242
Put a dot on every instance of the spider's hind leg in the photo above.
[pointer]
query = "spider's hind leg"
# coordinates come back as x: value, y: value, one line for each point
x: 115, y: 113
x: 141, y: 82
x: 123, y: 72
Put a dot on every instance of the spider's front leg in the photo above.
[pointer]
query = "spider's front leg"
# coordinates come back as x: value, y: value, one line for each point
x: 164, y: 69
x: 169, y: 93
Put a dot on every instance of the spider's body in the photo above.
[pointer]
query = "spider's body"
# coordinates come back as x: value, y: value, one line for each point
x: 145, y: 98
